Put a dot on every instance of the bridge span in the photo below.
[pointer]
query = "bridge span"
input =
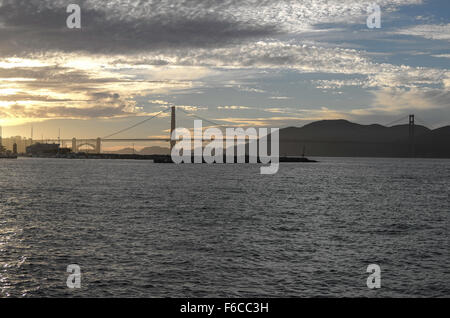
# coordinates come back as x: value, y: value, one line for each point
x: 96, y: 143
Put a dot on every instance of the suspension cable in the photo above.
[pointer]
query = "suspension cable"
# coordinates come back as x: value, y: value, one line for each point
x: 396, y: 121
x: 137, y: 124
x: 204, y: 119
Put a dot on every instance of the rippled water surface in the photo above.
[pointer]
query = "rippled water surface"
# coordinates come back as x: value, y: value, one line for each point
x: 139, y: 229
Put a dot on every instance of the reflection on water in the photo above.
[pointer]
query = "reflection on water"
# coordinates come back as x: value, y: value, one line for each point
x: 11, y: 260
x: 151, y: 230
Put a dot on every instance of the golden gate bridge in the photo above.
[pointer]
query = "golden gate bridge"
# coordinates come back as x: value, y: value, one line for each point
x: 96, y: 143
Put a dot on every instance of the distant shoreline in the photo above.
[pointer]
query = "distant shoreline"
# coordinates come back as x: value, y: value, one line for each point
x: 154, y: 158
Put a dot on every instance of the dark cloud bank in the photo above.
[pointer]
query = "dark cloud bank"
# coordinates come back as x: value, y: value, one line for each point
x: 39, y: 26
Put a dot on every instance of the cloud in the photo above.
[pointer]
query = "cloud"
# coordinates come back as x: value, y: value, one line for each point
x: 336, y: 84
x: 119, y: 27
x: 314, y: 59
x: 40, y: 112
x: 280, y: 97
x: 234, y: 107
x: 128, y: 27
x: 131, y: 49
x: 62, y: 92
x: 99, y: 81
x: 387, y: 103
x: 190, y: 108
x: 444, y: 56
x: 401, y: 100
x: 428, y: 31
x: 294, y: 119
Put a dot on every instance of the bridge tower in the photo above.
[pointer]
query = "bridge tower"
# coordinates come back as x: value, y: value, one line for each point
x: 74, y: 145
x: 172, y: 128
x: 411, y: 135
x: 98, y: 145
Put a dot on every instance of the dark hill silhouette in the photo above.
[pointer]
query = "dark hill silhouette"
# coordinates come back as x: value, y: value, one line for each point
x: 435, y: 143
x: 344, y: 138
x: 123, y: 151
x: 155, y: 150
x: 341, y: 138
x: 343, y: 130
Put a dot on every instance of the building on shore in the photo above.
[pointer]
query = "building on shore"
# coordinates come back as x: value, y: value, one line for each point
x: 42, y: 149
x: 21, y: 143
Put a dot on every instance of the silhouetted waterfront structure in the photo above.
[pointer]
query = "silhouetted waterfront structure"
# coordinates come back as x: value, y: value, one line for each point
x: 334, y: 138
x: 43, y: 149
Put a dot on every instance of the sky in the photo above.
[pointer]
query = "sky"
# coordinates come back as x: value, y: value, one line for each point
x: 235, y: 62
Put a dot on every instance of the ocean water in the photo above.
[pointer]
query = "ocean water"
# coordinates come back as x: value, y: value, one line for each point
x: 139, y: 229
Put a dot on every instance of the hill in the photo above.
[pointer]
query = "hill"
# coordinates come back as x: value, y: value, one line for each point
x: 344, y: 138
x: 341, y: 138
x: 155, y: 150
